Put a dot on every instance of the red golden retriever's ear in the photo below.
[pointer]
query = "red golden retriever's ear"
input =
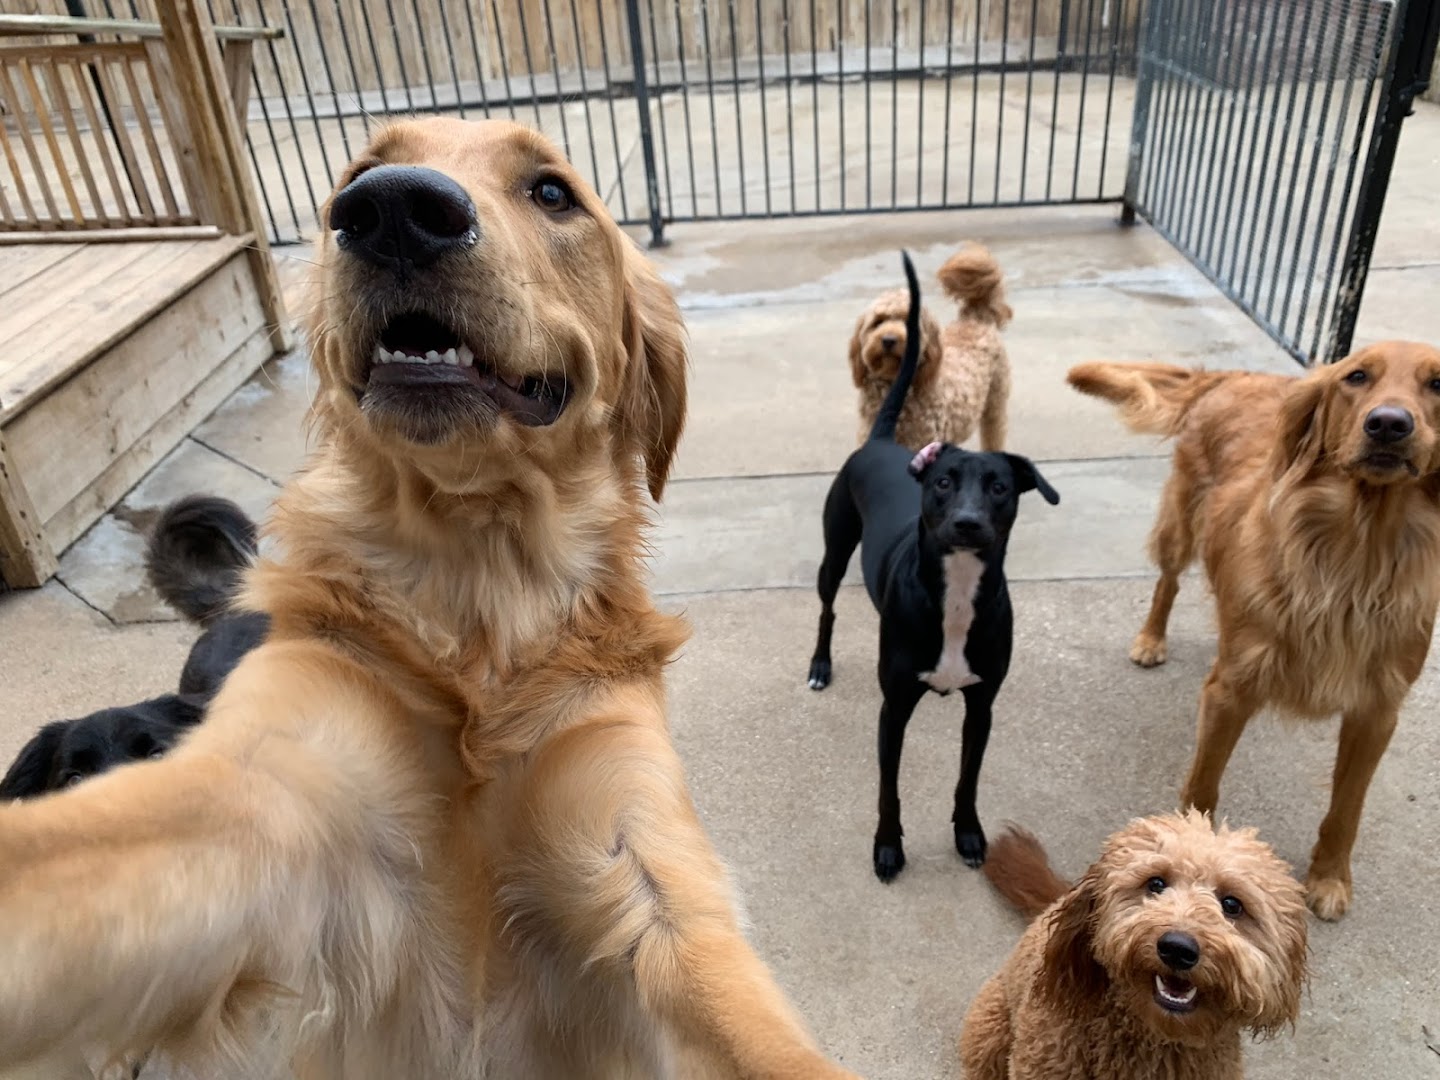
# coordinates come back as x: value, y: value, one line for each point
x: 857, y: 369
x: 1071, y: 979
x: 652, y: 404
x: 1300, y: 443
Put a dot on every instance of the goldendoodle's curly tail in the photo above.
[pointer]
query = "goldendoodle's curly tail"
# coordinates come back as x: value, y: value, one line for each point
x: 197, y: 553
x: 888, y: 416
x: 972, y: 278
x: 1153, y: 398
x: 1017, y: 866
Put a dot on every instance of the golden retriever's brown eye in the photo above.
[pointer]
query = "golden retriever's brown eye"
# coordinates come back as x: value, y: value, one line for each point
x: 1232, y: 907
x: 1155, y: 885
x: 552, y: 195
x: 1357, y: 377
x: 1434, y: 385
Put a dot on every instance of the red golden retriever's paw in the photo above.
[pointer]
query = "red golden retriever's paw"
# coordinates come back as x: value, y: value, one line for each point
x: 1148, y: 652
x: 1329, y: 898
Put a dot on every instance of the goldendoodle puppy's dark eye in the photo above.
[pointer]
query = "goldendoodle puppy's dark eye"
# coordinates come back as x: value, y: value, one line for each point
x: 1155, y: 885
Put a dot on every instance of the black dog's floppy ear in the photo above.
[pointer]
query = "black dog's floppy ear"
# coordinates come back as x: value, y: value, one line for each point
x: 1028, y: 478
x: 30, y: 772
x: 924, y: 459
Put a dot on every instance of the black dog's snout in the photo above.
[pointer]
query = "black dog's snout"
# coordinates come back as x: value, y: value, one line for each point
x: 969, y: 531
x: 889, y: 341
x: 1389, y: 423
x: 1178, y: 951
x: 397, y: 215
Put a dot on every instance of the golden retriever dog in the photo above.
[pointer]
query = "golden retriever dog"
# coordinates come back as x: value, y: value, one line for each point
x: 1315, y: 505
x: 434, y: 827
x: 1177, y: 940
x: 963, y: 380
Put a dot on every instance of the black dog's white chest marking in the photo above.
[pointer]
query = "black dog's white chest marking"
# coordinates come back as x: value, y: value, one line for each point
x: 963, y: 570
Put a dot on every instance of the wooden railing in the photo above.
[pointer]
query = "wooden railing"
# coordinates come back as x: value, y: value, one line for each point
x: 98, y: 136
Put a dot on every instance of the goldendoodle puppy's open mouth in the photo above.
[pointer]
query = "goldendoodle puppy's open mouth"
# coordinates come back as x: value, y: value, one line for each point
x: 1175, y: 994
x: 418, y: 356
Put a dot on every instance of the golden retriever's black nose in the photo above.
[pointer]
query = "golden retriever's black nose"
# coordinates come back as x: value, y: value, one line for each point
x: 1389, y: 423
x: 1178, y: 951
x: 399, y: 216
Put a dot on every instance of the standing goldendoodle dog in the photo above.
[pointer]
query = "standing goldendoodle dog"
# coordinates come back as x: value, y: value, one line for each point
x: 1178, y: 939
x: 964, y: 376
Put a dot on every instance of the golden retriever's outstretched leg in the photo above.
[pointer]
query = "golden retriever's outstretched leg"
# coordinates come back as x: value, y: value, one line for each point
x: 1363, y: 739
x: 618, y: 866
x: 1225, y: 708
x: 1172, y: 547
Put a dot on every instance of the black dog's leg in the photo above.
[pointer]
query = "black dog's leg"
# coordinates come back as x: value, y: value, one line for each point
x: 969, y: 836
x: 900, y: 702
x: 842, y: 535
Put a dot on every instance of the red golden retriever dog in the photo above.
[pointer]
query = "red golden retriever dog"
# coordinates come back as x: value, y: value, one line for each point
x: 434, y: 826
x: 1315, y: 505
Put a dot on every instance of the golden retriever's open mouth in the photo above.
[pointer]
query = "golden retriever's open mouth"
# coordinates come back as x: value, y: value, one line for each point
x: 417, y: 353
x: 1385, y: 463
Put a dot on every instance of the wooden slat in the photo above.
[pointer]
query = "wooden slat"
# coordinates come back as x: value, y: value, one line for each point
x: 127, y: 148
x: 147, y: 133
x: 98, y: 414
x: 41, y: 111
x: 7, y: 87
x: 60, y: 97
x: 177, y: 126
x: 27, y: 560
x: 55, y: 24
x: 87, y: 50
x: 14, y: 164
x: 20, y: 263
x: 113, y: 235
x: 79, y: 318
x: 237, y: 57
x: 100, y: 134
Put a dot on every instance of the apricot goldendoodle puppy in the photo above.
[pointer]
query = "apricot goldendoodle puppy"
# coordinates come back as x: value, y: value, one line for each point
x: 963, y: 380
x: 1175, y: 941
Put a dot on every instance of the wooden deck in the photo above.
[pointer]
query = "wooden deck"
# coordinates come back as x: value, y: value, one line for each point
x: 114, y: 351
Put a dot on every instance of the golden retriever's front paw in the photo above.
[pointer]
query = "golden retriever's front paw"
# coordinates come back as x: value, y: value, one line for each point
x: 1148, y: 651
x: 1329, y: 898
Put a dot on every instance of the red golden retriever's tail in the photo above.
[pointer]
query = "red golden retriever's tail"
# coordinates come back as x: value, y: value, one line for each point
x: 972, y: 278
x: 1017, y: 866
x: 1153, y: 398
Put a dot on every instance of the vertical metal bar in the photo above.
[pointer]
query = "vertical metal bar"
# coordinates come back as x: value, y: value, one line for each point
x: 1055, y: 90
x: 555, y: 71
x: 1115, y: 26
x: 529, y: 65
x: 1029, y: 97
x: 329, y: 76
x: 840, y: 87
x: 270, y: 131
x: 735, y: 84
x: 949, y: 78
x: 1145, y: 69
x: 399, y: 56
x: 609, y: 100
x: 974, y: 105
x: 764, y: 116
x: 1408, y: 76
x: 375, y: 58
x: 1224, y: 232
x: 789, y: 103
x: 659, y: 109
x: 815, y: 100
x: 580, y: 61
x: 505, y: 65
x: 320, y: 138
x: 425, y: 54
x: 685, y: 104
x: 1182, y: 140
x: 895, y: 102
x: 1080, y: 109
x: 1201, y: 71
x: 1223, y: 147
x: 710, y: 88
x: 480, y: 66
x: 1000, y: 109
x: 920, y: 108
x: 868, y: 80
x: 449, y: 40
x: 647, y: 141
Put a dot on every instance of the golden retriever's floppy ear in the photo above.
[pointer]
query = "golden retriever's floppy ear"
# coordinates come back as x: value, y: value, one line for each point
x: 1300, y: 442
x: 857, y: 369
x: 652, y: 402
x: 1071, y: 979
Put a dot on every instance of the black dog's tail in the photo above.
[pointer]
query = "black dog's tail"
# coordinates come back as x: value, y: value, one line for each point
x: 889, y: 414
x: 197, y: 553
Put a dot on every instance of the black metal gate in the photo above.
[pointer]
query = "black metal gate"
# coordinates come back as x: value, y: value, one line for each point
x: 1264, y: 134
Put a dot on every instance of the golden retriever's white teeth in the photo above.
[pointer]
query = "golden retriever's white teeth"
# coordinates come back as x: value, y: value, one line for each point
x: 465, y: 356
x: 449, y: 357
x: 432, y: 357
x: 381, y: 356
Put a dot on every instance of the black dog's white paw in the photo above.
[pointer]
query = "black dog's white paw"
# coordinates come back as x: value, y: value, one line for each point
x: 889, y: 861
x: 971, y: 845
x: 819, y: 674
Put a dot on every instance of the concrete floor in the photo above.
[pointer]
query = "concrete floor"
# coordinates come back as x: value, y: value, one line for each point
x: 784, y: 776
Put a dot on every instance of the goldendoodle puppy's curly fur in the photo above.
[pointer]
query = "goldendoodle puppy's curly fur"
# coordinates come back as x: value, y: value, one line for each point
x: 1175, y: 941
x: 964, y: 375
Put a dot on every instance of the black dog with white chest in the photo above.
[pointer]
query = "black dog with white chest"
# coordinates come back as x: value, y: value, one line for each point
x: 932, y: 529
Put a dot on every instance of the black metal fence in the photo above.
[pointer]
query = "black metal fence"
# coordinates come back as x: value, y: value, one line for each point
x: 1263, y: 138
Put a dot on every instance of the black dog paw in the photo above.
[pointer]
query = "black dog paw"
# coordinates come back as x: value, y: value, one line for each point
x: 971, y: 845
x: 819, y: 674
x: 889, y: 861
